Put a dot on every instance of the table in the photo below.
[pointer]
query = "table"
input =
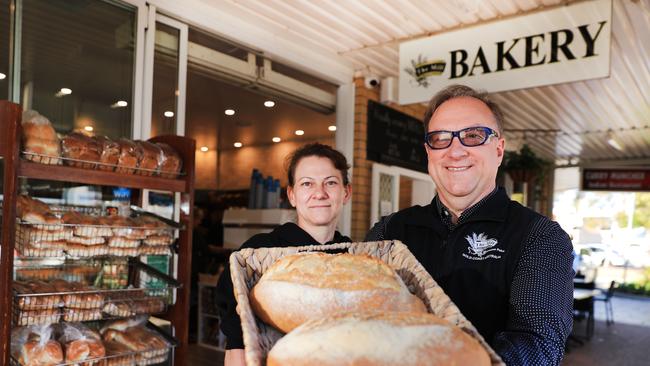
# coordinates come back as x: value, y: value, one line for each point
x: 584, y: 294
x: 583, y: 301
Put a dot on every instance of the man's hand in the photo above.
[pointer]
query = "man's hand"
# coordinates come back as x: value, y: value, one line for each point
x: 235, y: 357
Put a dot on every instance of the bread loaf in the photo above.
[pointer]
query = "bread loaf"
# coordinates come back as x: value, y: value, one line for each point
x: 171, y: 162
x: 380, y: 339
x: 33, y: 353
x: 40, y: 138
x: 109, y: 153
x: 152, y: 156
x: 302, y: 287
x: 130, y: 154
x: 83, y: 151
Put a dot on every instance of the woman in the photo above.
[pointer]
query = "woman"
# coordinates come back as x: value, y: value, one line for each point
x: 318, y: 188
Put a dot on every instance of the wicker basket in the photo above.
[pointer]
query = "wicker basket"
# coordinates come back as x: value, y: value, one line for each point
x: 248, y: 265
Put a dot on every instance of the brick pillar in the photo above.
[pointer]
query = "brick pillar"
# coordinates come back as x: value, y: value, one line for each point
x: 361, y: 177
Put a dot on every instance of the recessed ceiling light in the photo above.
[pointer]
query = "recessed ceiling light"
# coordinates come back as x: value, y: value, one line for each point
x: 332, y: 128
x: 168, y: 114
x: 119, y: 104
x: 300, y: 132
x: 63, y: 91
x: 89, y: 128
x: 237, y: 144
x: 276, y: 139
x: 204, y: 148
x: 269, y: 104
x: 2, y: 76
x: 229, y: 112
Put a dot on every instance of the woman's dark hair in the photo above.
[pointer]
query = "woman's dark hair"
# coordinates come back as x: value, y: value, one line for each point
x: 321, y: 151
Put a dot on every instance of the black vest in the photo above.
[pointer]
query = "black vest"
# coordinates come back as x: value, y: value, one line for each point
x: 474, y: 263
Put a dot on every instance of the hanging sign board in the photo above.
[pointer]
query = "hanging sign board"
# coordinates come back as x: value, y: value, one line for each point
x: 632, y: 180
x: 395, y: 138
x: 564, y: 44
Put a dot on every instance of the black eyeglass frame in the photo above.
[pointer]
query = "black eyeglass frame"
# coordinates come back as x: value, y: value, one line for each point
x: 489, y: 133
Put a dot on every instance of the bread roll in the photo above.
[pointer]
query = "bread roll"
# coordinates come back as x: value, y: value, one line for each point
x: 302, y: 287
x: 33, y: 353
x: 380, y: 339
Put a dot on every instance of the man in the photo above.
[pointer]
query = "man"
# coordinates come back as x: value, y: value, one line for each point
x: 507, y: 268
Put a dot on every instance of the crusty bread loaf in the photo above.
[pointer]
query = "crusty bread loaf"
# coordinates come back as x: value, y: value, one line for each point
x: 130, y: 154
x: 152, y: 156
x: 302, y: 287
x: 380, y: 339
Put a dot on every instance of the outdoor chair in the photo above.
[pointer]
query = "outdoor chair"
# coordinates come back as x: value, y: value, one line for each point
x: 606, y: 297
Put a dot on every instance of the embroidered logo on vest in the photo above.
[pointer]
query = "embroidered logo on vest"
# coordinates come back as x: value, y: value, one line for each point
x: 481, y: 247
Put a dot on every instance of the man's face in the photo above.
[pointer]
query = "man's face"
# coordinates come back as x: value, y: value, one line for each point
x: 463, y: 175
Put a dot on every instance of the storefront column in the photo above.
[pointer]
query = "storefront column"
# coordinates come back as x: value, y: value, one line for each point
x: 345, y: 96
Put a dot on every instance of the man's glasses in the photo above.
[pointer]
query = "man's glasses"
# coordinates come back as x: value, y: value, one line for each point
x: 471, y: 136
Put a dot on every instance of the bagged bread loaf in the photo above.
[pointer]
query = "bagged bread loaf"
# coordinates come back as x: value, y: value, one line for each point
x: 109, y: 153
x: 152, y: 157
x: 380, y: 339
x: 81, y: 344
x: 40, y: 138
x: 308, y: 286
x: 83, y: 151
x: 130, y: 154
x: 33, y: 346
x: 171, y: 162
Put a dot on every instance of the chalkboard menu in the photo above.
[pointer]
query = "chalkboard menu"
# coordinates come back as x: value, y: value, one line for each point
x: 395, y: 138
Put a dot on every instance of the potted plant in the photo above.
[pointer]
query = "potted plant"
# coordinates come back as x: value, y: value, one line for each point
x: 523, y: 165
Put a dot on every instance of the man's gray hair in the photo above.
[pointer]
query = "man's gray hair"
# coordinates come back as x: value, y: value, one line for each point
x: 456, y: 91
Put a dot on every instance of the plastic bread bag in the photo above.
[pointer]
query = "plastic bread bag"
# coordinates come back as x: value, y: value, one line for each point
x: 124, y: 324
x: 152, y: 157
x: 172, y: 163
x: 80, y: 343
x: 130, y: 155
x: 109, y: 153
x: 33, y: 346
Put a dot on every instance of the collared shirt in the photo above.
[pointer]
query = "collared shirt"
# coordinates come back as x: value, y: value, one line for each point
x: 539, y: 302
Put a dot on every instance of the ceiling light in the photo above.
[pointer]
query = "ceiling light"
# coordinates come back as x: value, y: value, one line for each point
x: 2, y: 76
x: 204, y: 148
x: 63, y: 91
x: 89, y: 128
x: 119, y: 104
x: 229, y: 112
x: 276, y: 139
x: 613, y: 142
x: 332, y: 128
x: 168, y: 114
x: 269, y: 104
x: 300, y: 132
x: 237, y: 144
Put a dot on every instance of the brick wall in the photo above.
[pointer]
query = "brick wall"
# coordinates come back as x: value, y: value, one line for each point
x: 361, y: 178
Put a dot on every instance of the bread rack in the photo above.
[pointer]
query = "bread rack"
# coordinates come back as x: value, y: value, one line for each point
x: 89, y: 290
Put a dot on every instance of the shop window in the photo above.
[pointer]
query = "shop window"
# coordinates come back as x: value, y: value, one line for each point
x: 77, y: 64
x: 5, y: 33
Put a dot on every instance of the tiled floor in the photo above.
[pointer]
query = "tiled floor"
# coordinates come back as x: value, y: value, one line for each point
x: 624, y: 343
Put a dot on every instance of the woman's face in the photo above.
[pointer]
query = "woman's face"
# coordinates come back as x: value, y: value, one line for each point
x: 318, y: 193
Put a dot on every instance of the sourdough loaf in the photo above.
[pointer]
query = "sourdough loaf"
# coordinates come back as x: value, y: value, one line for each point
x: 309, y: 286
x: 379, y: 339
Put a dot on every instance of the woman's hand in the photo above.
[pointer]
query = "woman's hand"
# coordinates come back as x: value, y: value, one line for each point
x: 235, y: 357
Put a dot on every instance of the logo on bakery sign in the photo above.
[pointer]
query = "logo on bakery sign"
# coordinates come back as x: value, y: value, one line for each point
x: 481, y: 247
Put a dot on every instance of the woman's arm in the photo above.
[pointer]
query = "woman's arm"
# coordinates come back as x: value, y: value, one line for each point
x: 235, y: 357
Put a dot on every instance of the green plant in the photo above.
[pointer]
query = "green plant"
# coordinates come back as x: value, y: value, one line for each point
x: 524, y: 159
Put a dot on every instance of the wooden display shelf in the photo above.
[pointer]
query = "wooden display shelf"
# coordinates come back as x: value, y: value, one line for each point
x: 65, y: 173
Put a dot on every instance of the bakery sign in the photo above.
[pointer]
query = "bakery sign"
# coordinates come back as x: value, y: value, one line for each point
x: 564, y: 44
x: 633, y: 180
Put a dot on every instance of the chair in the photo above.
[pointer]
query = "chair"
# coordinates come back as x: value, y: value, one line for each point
x: 607, y: 299
x: 584, y: 309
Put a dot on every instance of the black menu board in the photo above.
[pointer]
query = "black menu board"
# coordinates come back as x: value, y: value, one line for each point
x: 395, y: 138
